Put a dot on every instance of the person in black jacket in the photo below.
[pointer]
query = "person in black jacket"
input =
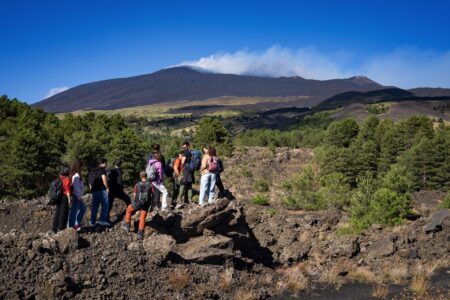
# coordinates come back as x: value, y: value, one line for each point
x: 219, y: 183
x: 115, y: 182
x: 188, y: 178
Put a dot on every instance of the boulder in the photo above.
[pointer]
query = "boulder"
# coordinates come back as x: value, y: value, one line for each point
x: 347, y: 249
x: 436, y: 221
x: 134, y: 247
x: 295, y: 252
x: 206, y: 249
x: 382, y: 248
x: 67, y: 240
x: 158, y: 246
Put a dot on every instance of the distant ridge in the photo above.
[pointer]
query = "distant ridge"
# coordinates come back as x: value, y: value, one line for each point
x: 185, y: 83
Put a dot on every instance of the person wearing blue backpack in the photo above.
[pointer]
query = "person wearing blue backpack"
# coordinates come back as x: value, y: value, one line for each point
x: 195, y: 155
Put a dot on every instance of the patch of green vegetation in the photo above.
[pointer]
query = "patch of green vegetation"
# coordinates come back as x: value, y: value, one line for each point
x: 378, y: 108
x: 261, y: 185
x: 260, y: 199
x: 271, y: 212
x: 446, y: 202
x: 246, y: 172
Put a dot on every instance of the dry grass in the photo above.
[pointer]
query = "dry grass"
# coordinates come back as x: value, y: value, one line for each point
x: 248, y: 292
x: 293, y: 279
x: 421, y: 275
x: 363, y: 275
x: 380, y: 291
x: 226, y: 280
x: 398, y: 274
x: 179, y: 279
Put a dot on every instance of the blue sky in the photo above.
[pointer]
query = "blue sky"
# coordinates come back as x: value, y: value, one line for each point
x: 56, y: 44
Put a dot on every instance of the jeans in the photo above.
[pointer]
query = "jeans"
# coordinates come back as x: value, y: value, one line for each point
x: 207, y: 185
x: 77, y: 211
x: 99, y: 197
x: 165, y: 193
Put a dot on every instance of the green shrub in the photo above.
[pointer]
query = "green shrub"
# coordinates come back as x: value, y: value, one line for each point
x: 261, y: 185
x: 260, y: 199
x: 246, y: 172
x: 271, y: 212
x: 446, y: 202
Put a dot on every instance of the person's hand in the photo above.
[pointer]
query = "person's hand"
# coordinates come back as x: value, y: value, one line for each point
x: 107, y: 190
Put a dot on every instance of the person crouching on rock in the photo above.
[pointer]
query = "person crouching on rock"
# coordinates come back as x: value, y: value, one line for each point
x: 143, y: 201
x: 62, y: 207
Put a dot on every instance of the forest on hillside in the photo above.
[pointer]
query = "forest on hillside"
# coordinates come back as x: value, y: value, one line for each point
x: 369, y: 169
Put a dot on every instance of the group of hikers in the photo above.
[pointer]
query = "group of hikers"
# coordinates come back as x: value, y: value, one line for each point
x: 66, y: 192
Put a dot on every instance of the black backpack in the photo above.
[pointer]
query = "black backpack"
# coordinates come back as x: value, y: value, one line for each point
x: 55, y: 192
x: 144, y: 193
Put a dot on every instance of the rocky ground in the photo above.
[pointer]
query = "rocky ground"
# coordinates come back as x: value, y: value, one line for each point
x: 225, y: 250
x: 229, y: 250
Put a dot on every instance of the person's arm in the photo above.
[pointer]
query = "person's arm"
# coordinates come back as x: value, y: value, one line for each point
x: 204, y: 161
x: 176, y: 167
x: 134, y: 192
x: 105, y: 182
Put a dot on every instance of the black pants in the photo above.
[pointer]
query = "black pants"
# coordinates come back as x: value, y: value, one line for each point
x: 118, y: 194
x: 156, y: 196
x: 61, y: 215
x: 219, y: 184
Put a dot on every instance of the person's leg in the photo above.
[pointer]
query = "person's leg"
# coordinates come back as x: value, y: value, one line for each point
x: 81, y: 212
x: 111, y: 197
x: 188, y: 192
x: 142, y: 216
x: 105, y: 206
x: 180, y: 198
x: 129, y: 213
x: 56, y: 218
x: 156, y: 196
x: 203, y: 186
x: 125, y: 198
x: 220, y: 185
x: 73, y: 211
x: 160, y: 187
x: 212, y: 186
x: 94, y: 208
x: 63, y: 214
x: 175, y: 192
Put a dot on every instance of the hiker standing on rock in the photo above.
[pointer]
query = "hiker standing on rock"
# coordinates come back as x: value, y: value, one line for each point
x: 98, y: 183
x: 177, y: 176
x: 142, y: 201
x: 62, y: 206
x: 115, y: 182
x: 187, y: 179
x: 155, y: 174
x: 209, y: 169
x: 77, y: 209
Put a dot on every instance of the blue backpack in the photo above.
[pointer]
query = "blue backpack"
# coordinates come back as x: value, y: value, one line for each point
x: 196, y: 159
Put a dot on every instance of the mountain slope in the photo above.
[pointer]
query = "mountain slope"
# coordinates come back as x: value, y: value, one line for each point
x: 184, y: 83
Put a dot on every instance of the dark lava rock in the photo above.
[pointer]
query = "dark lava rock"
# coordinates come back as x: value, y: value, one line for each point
x: 436, y: 221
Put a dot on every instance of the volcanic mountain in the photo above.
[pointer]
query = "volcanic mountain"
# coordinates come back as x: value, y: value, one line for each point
x: 186, y: 83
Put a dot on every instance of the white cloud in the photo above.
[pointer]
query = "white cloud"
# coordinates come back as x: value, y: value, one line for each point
x: 404, y: 67
x: 56, y: 90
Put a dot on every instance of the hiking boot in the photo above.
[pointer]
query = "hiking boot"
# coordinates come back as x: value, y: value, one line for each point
x: 126, y: 226
x: 140, y: 235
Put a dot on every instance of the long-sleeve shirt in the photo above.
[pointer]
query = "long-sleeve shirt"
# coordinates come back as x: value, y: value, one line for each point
x: 65, y: 185
x: 77, y: 186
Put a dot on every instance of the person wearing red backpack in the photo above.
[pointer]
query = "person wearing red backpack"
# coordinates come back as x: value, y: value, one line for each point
x: 209, y: 170
x: 62, y: 207
x: 143, y: 191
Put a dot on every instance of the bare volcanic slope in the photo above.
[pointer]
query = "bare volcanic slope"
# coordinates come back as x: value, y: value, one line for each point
x: 185, y: 83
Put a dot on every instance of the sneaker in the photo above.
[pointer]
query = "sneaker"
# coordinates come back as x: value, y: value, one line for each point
x: 126, y: 226
x: 140, y: 235
x: 103, y: 223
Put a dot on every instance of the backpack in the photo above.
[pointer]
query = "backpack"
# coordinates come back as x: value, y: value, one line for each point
x: 169, y: 168
x: 212, y: 164
x: 196, y: 159
x: 151, y: 171
x: 55, y: 192
x: 143, y: 194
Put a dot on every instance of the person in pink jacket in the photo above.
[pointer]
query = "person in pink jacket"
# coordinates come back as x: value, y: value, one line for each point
x: 158, y: 181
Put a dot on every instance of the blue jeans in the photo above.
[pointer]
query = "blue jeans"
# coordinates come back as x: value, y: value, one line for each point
x: 99, y: 197
x: 207, y: 185
x: 77, y: 211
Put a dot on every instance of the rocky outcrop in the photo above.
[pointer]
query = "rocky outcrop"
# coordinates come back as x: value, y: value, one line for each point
x: 214, y: 249
x: 436, y: 221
